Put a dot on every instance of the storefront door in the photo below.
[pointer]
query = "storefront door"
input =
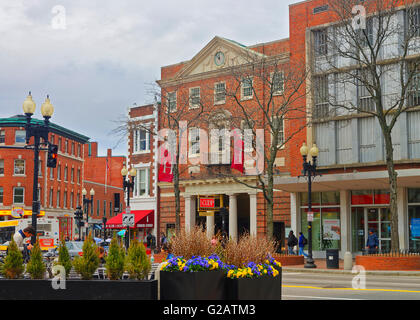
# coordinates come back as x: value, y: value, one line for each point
x: 376, y: 219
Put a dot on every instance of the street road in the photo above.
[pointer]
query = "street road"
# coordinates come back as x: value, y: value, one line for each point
x: 319, y: 286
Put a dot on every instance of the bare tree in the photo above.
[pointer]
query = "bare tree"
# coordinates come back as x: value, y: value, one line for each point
x: 268, y: 94
x: 371, y: 41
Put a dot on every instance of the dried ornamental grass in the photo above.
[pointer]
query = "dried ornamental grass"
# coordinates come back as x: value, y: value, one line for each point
x: 192, y: 243
x: 248, y: 249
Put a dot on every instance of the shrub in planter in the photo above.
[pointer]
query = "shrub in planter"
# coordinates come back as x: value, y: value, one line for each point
x: 64, y: 258
x: 89, y: 262
x: 115, y: 260
x: 13, y: 264
x: 36, y: 267
x: 138, y: 263
x: 192, y: 243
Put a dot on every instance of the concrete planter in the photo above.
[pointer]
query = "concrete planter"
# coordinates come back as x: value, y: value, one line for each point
x: 262, y: 288
x: 23, y: 289
x: 390, y: 263
x: 202, y: 285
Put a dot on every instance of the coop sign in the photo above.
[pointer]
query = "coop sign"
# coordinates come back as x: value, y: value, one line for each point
x: 207, y: 203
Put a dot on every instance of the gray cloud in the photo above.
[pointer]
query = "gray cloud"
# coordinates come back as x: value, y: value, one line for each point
x: 111, y: 50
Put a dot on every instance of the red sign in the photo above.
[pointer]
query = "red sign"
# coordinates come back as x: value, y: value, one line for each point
x: 46, y: 242
x: 206, y: 203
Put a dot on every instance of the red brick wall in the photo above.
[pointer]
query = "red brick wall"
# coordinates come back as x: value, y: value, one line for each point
x: 389, y: 263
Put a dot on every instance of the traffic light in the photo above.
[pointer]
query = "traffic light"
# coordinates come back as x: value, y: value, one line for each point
x: 52, y: 155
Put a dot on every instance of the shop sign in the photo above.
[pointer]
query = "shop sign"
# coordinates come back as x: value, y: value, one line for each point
x: 17, y: 212
x: 310, y: 216
x: 207, y: 203
x: 331, y: 229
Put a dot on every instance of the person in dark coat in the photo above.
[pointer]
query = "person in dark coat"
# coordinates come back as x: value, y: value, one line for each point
x: 291, y: 242
x: 372, y: 242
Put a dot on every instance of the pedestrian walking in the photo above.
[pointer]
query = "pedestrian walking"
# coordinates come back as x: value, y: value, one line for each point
x: 302, y: 242
x: 291, y: 242
x: 372, y: 242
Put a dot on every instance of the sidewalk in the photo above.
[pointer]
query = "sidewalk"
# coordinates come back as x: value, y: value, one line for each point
x: 321, y: 267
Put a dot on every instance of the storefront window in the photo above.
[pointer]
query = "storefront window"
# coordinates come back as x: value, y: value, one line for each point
x: 358, y: 229
x: 414, y: 219
x: 369, y: 197
x: 326, y: 232
x: 321, y: 198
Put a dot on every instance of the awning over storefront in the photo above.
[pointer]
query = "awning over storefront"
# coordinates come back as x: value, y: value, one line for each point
x: 142, y: 219
x: 409, y: 178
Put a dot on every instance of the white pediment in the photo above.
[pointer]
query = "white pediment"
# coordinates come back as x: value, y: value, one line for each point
x: 234, y: 55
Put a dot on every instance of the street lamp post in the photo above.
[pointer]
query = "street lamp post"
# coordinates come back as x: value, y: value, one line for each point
x: 104, y: 219
x: 86, y: 203
x: 127, y: 186
x: 40, y: 134
x: 78, y: 216
x: 309, y: 170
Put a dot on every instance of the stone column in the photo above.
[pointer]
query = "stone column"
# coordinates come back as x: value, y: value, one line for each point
x: 294, y: 213
x: 345, y: 221
x: 233, y: 217
x: 189, y: 212
x: 210, y: 226
x: 253, y: 214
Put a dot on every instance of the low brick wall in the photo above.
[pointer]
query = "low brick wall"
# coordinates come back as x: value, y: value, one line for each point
x: 287, y: 260
x: 403, y: 263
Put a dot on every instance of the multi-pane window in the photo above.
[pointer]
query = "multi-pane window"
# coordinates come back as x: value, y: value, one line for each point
x: 321, y: 108
x: 51, y: 197
x: 277, y: 86
x: 52, y: 173
x: 414, y: 91
x: 141, y: 140
x: 366, y: 35
x: 20, y: 136
x: 19, y: 166
x: 65, y: 199
x: 194, y: 141
x: 72, y: 148
x: 247, y: 88
x: 2, y: 136
x: 366, y: 102
x: 78, y: 175
x: 79, y: 150
x: 1, y: 166
x: 1, y: 194
x: 59, y: 172
x: 72, y: 175
x: 321, y: 44
x: 71, y: 199
x: 65, y: 173
x: 142, y: 185
x: 98, y: 204
x: 58, y: 198
x: 40, y: 168
x: 66, y: 146
x: 59, y: 144
x: 278, y: 126
x: 194, y: 97
x: 414, y: 22
x: 220, y: 92
x: 19, y: 195
x: 172, y: 101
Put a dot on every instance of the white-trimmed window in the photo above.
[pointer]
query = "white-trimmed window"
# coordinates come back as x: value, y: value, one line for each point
x: 2, y: 136
x: 321, y: 44
x: 1, y: 166
x: 20, y: 136
x: 59, y: 172
x: 19, y: 167
x: 321, y: 108
x: 40, y: 168
x: 278, y: 125
x: 194, y: 141
x: 51, y: 173
x: 141, y: 140
x: 1, y: 194
x: 219, y: 93
x: 19, y: 195
x: 194, y: 97
x: 171, y: 101
x: 277, y: 82
x: 65, y: 199
x: 58, y: 198
x: 66, y: 170
x: 72, y: 200
x: 141, y: 188
x: 72, y: 175
x: 51, y: 197
x: 78, y: 176
x: 246, y: 88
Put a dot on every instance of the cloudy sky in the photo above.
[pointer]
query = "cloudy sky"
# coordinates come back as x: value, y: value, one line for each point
x: 95, y: 58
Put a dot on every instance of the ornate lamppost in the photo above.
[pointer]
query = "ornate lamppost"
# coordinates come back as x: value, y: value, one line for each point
x: 309, y: 171
x: 40, y: 134
x: 86, y: 203
x: 127, y: 186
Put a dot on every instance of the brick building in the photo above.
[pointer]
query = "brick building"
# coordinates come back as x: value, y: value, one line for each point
x: 206, y: 84
x: 141, y: 146
x: 60, y: 188
x: 352, y: 195
x: 103, y: 175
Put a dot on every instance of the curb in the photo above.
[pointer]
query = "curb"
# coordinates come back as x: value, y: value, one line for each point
x: 341, y: 272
